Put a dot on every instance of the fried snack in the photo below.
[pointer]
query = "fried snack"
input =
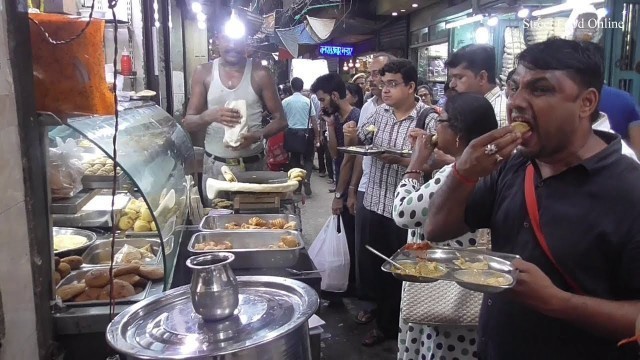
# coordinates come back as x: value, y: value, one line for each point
x: 227, y: 174
x: 256, y: 221
x: 89, y: 294
x: 289, y: 241
x: 249, y: 227
x: 64, y: 269
x: 521, y: 127
x: 121, y: 290
x: 232, y: 226
x: 467, y: 265
x: 74, y: 262
x: 484, y: 277
x: 56, y: 277
x: 151, y: 273
x: 126, y: 222
x: 132, y: 279
x: 126, y: 270
x: 138, y: 290
x: 56, y: 262
x: 70, y: 291
x: 421, y: 269
x: 97, y: 278
x: 145, y: 215
x: 291, y: 226
x: 212, y: 245
x: 141, y: 226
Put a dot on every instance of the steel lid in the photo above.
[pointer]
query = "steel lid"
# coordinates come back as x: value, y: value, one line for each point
x: 166, y: 326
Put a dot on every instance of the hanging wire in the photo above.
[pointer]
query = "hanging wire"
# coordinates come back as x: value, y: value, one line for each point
x: 60, y: 42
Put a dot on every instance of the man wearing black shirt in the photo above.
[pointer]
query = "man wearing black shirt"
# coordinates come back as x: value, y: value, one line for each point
x: 588, y: 200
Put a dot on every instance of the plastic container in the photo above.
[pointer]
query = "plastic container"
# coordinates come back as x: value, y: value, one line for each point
x: 126, y: 66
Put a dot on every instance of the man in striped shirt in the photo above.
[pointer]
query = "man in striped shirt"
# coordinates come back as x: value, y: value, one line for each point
x: 473, y: 69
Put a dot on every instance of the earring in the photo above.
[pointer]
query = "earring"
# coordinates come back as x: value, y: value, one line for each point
x: 458, y: 141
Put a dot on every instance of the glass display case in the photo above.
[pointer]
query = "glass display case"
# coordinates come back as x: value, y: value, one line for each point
x: 431, y: 61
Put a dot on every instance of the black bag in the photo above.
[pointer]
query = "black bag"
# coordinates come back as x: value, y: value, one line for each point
x: 297, y: 140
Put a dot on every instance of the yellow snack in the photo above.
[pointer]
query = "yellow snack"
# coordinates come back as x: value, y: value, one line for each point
x: 153, y: 226
x: 141, y: 226
x: 145, y: 215
x: 520, y: 127
x: 125, y: 223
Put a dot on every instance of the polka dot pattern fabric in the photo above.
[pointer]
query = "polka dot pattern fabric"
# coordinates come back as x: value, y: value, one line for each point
x: 421, y: 342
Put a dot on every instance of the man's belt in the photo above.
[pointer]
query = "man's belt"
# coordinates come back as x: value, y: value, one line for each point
x: 236, y: 161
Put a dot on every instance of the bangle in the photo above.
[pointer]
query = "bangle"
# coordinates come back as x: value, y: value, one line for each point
x: 463, y: 178
x: 419, y: 172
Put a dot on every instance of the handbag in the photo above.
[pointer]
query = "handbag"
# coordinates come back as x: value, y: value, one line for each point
x: 297, y: 140
x: 534, y: 215
x: 440, y: 303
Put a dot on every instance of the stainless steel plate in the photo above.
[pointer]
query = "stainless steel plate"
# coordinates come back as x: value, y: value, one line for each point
x: 398, y: 152
x: 77, y: 277
x: 99, y: 254
x: 251, y: 248
x: 362, y: 150
x: 90, y: 236
x: 448, y: 257
x: 387, y: 266
x: 165, y: 326
x: 218, y: 222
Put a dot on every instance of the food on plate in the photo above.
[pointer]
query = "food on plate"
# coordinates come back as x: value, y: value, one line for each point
x: 64, y: 270
x: 467, y: 265
x: 66, y: 242
x: 421, y: 268
x: 227, y: 174
x: 151, y: 273
x: 212, y: 245
x: 125, y: 270
x: 97, y: 278
x: 256, y: 221
x: 68, y: 292
x: 289, y: 241
x: 145, y: 215
x: 291, y: 226
x: 74, y: 262
x: 100, y: 166
x: 141, y: 226
x: 484, y: 277
x: 277, y: 223
x: 132, y: 255
x: 520, y: 127
x: 121, y: 290
x: 418, y: 246
x: 371, y: 128
x: 137, y: 217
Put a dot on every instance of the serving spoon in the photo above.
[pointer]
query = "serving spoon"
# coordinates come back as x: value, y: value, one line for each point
x: 384, y: 257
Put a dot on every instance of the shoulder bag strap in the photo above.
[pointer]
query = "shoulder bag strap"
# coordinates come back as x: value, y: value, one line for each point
x: 534, y: 215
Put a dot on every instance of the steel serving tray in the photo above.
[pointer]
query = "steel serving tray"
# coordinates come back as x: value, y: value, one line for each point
x: 362, y: 150
x: 218, y: 222
x: 398, y: 152
x: 498, y: 262
x: 89, y: 235
x: 99, y: 254
x: 77, y: 277
x: 251, y: 247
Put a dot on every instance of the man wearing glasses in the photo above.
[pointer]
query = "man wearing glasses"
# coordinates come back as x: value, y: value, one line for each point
x: 393, y: 120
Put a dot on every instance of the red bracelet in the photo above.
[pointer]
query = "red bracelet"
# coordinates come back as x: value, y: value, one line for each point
x: 463, y: 178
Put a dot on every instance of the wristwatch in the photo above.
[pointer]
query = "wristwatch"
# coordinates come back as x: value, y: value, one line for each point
x: 338, y: 195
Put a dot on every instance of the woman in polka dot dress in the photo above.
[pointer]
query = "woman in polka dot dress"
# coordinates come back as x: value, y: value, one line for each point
x: 465, y: 117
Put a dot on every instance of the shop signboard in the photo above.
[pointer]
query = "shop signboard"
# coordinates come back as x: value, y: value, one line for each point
x: 329, y: 50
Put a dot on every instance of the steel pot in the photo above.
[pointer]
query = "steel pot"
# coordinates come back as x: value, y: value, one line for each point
x: 214, y: 289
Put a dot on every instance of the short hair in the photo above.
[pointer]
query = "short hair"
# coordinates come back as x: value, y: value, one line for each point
x: 329, y: 83
x: 388, y: 56
x: 297, y: 84
x: 356, y: 91
x: 470, y: 115
x: 510, y: 75
x: 426, y: 87
x: 403, y: 67
x: 476, y: 58
x: 358, y: 76
x: 583, y: 63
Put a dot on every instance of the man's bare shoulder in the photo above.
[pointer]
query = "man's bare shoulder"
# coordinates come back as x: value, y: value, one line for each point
x: 204, y: 68
x: 260, y: 73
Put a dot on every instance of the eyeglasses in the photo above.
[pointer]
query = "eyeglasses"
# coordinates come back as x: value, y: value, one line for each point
x: 389, y: 84
x: 375, y: 73
x: 424, y: 95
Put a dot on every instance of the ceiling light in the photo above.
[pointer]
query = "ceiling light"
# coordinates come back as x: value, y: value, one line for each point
x: 264, y: 62
x: 493, y: 21
x: 234, y: 28
x: 414, y: 5
x: 201, y: 17
x: 403, y: 10
x: 523, y: 13
x: 602, y: 12
x: 394, y: 14
x: 569, y: 5
x: 196, y: 7
x: 464, y: 21
x: 482, y: 35
x: 202, y: 25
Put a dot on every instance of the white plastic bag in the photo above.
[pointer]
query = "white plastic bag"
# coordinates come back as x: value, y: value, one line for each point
x: 330, y: 254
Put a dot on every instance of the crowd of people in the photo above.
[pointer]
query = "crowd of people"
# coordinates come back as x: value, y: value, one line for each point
x: 575, y: 296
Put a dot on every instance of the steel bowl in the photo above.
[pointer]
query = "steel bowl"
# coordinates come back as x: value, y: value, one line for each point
x: 79, y: 250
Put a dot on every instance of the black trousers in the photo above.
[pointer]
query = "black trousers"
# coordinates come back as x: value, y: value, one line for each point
x: 364, y: 292
x: 382, y: 234
x: 349, y: 222
x: 325, y: 163
x: 304, y: 160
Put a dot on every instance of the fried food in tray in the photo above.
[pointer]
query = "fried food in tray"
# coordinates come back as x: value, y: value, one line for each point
x: 484, y: 277
x: 212, y: 245
x: 257, y: 223
x: 286, y: 242
x: 420, y: 268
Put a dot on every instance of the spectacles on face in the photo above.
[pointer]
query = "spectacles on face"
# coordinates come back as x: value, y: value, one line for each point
x: 389, y: 84
x: 375, y: 73
x: 423, y: 95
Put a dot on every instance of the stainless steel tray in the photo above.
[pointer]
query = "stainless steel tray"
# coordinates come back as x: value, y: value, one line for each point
x: 103, y: 181
x: 446, y: 257
x: 101, y: 251
x: 90, y: 236
x: 251, y: 248
x: 217, y: 222
x: 398, y: 152
x: 78, y: 276
x: 362, y: 150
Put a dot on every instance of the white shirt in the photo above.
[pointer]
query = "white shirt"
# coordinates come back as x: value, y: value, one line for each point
x: 498, y: 100
x: 367, y: 111
x: 603, y: 125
